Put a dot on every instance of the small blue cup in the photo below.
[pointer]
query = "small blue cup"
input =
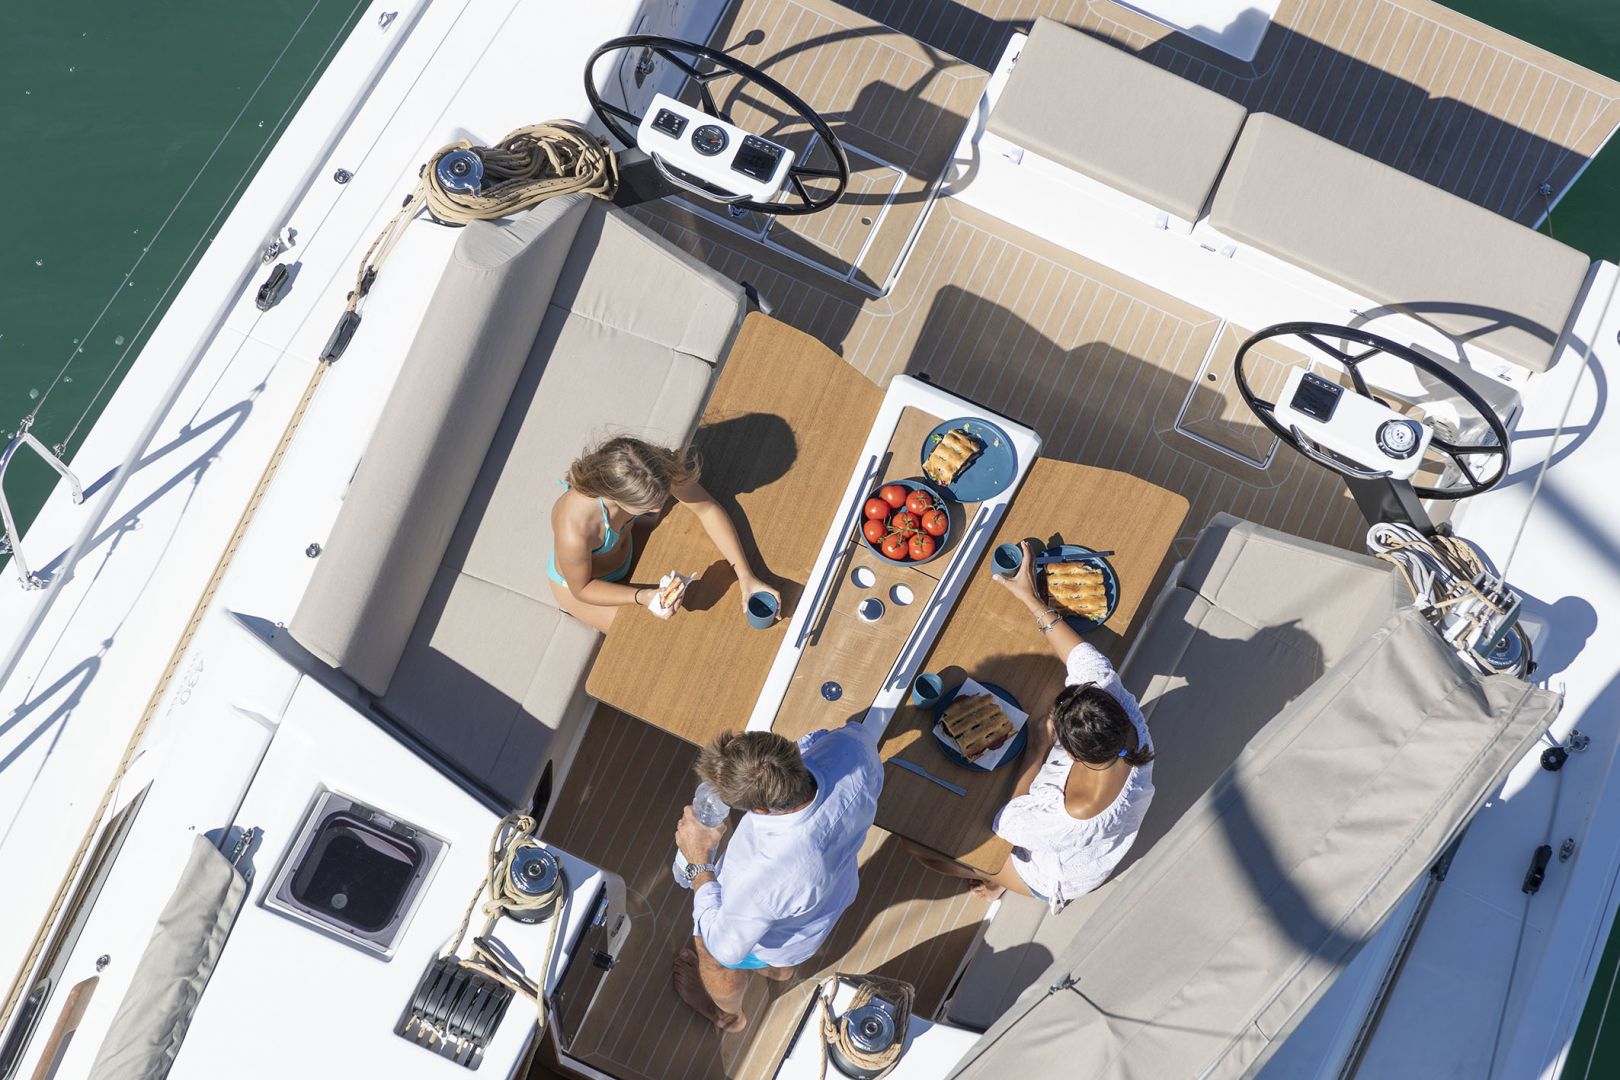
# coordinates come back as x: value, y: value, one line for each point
x: 762, y: 609
x: 1006, y: 559
x: 925, y: 690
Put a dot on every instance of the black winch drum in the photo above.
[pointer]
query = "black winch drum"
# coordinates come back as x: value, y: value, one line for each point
x: 871, y: 1030
x: 534, y: 873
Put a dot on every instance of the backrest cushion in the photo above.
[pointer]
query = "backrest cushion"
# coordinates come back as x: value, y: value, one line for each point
x: 1399, y: 241
x: 1107, y: 114
x: 431, y: 439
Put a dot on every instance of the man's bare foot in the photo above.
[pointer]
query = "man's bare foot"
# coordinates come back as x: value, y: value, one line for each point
x: 984, y: 890
x: 689, y: 986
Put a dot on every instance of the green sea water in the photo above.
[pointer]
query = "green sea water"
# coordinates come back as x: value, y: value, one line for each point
x: 129, y: 130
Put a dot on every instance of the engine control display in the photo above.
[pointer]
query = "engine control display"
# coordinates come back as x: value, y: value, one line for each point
x: 671, y: 123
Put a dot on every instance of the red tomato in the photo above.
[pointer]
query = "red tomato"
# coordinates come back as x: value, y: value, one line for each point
x: 904, y: 522
x: 919, y: 502
x: 877, y: 509
x: 935, y: 522
x: 894, y: 547
x: 921, y: 546
x: 894, y: 495
x: 875, y: 530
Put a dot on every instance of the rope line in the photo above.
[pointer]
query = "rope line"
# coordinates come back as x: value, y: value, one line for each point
x: 512, y: 836
x: 530, y: 165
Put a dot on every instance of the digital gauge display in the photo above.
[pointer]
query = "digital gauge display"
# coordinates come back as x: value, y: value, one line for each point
x: 709, y: 140
x: 1316, y: 397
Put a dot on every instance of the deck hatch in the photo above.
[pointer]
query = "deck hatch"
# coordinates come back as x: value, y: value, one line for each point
x: 355, y: 872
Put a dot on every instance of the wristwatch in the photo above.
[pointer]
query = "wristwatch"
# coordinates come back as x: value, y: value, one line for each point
x: 694, y: 869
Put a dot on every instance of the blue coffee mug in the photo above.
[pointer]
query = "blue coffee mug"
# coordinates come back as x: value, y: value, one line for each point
x: 762, y: 609
x: 1006, y: 559
x: 925, y: 690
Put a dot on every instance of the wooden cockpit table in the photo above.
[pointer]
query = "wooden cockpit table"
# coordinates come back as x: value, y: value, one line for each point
x: 992, y: 638
x: 779, y: 437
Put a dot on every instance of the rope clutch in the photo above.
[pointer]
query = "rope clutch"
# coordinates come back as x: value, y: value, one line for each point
x: 460, y: 1001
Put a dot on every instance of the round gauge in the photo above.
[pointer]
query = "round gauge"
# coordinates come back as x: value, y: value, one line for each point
x: 1398, y: 438
x: 709, y: 139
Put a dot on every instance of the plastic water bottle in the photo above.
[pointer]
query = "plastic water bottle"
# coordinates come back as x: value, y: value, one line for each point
x: 711, y: 810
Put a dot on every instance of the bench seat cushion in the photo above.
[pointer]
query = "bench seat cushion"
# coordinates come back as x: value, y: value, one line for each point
x: 488, y: 680
x: 585, y: 381
x: 1399, y: 241
x: 1109, y: 115
x: 401, y: 509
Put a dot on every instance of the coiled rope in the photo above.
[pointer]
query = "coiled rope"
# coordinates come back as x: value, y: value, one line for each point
x: 1450, y: 582
x: 512, y: 836
x: 527, y: 167
x: 835, y: 1030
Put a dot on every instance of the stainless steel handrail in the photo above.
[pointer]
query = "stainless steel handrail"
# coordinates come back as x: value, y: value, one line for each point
x: 30, y: 580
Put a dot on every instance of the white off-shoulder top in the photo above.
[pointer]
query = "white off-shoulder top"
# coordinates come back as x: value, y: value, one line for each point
x: 1060, y: 856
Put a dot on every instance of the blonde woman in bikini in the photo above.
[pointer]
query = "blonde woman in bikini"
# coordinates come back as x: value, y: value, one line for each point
x: 607, y: 490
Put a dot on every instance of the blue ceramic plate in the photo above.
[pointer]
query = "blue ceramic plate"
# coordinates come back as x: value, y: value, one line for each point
x: 1081, y: 553
x: 940, y: 542
x: 1015, y: 746
x: 987, y: 475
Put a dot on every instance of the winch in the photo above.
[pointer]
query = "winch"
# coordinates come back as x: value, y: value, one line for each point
x: 865, y: 1041
x: 870, y: 1030
x: 533, y: 877
x: 461, y: 171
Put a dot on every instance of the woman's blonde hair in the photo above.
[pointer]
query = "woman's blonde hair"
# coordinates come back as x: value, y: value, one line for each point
x: 631, y: 472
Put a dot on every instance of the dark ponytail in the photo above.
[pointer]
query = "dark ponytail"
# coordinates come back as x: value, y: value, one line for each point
x: 1094, y: 727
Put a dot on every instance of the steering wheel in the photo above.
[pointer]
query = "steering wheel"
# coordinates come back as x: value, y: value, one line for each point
x: 1316, y: 335
x: 676, y: 52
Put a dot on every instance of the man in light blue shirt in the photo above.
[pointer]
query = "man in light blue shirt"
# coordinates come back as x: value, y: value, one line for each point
x: 789, y: 871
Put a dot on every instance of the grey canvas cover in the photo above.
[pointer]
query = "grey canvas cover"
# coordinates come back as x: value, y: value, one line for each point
x: 151, y: 1021
x: 1220, y: 939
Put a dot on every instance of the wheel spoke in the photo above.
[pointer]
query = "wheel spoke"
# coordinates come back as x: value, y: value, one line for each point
x: 1338, y: 354
x: 686, y: 66
x: 1357, y: 381
x: 798, y: 186
x: 811, y: 170
x: 622, y: 114
x: 709, y: 104
x: 1468, y: 474
x: 1453, y: 449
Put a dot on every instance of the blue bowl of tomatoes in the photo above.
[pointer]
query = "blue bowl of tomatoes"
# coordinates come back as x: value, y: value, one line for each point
x: 905, y: 522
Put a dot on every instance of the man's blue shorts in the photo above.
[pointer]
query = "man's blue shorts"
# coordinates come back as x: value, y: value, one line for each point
x: 748, y: 963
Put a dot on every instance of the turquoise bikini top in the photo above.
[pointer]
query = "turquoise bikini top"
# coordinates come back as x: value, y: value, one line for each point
x: 610, y: 535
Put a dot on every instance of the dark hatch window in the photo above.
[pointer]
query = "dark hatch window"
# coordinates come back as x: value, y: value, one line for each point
x: 355, y: 873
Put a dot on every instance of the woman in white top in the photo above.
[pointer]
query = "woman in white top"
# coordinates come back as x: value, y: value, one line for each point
x: 1086, y: 781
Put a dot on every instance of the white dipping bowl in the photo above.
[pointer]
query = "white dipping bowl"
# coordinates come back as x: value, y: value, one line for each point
x: 863, y: 577
x: 902, y: 595
x: 871, y: 609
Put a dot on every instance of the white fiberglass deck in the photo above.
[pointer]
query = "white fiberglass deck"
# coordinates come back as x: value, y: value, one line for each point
x: 100, y: 649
